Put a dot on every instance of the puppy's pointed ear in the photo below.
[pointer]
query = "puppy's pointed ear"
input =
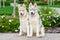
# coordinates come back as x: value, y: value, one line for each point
x: 30, y: 4
x: 35, y: 4
x: 24, y: 6
x: 19, y: 5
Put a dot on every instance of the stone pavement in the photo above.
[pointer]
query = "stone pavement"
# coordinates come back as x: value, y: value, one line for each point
x: 58, y: 10
x: 15, y: 36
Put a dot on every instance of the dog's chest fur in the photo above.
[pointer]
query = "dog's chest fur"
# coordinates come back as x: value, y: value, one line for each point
x: 23, y: 18
x: 24, y: 23
x: 34, y: 22
x: 34, y: 19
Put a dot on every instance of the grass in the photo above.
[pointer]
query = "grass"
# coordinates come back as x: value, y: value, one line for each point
x: 7, y: 10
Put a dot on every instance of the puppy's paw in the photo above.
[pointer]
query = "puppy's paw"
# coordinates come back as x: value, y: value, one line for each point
x: 20, y: 34
x: 37, y: 35
x: 42, y: 35
x: 29, y: 35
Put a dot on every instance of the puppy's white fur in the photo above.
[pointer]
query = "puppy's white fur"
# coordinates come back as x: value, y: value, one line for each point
x: 35, y: 21
x: 24, y: 27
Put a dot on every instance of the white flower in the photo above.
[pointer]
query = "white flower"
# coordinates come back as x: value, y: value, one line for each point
x: 54, y: 21
x: 49, y: 24
x: 49, y: 12
x: 57, y: 16
x: 2, y: 16
x: 10, y: 20
x: 54, y: 8
x: 16, y: 30
x: 18, y: 27
x: 41, y: 15
x: 2, y: 26
x: 54, y: 15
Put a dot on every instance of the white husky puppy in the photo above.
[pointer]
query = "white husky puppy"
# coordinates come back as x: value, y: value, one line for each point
x: 23, y: 16
x: 35, y: 21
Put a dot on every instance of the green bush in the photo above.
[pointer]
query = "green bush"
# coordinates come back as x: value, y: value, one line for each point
x: 7, y: 2
x: 49, y: 17
x: 7, y: 10
x: 41, y: 3
x: 9, y: 24
x: 57, y: 2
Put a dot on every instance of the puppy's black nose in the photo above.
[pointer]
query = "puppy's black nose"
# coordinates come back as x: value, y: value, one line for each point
x: 32, y: 13
x: 21, y: 13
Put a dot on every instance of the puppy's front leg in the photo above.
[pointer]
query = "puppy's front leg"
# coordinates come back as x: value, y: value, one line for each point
x: 42, y: 31
x: 31, y: 30
x: 28, y: 30
x: 20, y: 33
x: 37, y: 31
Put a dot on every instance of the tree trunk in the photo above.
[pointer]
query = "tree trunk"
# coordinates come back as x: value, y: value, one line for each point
x: 14, y: 10
x: 48, y: 2
x: 51, y: 2
x: 42, y: 0
x: 25, y: 0
x: 3, y: 3
x: 0, y: 3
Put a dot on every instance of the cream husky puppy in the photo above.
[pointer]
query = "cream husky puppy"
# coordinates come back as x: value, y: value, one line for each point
x: 35, y: 21
x: 23, y: 16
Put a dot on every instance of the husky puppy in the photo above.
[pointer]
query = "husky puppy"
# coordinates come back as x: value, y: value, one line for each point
x: 23, y: 16
x: 35, y: 21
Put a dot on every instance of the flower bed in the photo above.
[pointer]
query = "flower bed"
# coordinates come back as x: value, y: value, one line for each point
x: 50, y: 17
x: 9, y: 24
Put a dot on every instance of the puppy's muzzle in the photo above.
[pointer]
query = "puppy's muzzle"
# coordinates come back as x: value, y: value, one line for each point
x: 32, y: 13
x: 22, y: 14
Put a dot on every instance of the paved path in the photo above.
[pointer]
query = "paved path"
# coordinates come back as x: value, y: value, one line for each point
x: 15, y: 36
x: 58, y: 10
